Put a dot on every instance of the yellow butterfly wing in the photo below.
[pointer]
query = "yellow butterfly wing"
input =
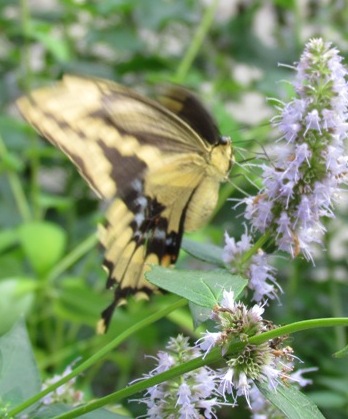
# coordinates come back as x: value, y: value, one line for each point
x: 161, y: 163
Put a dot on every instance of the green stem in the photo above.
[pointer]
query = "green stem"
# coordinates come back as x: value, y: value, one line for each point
x: 16, y: 187
x: 298, y: 24
x: 292, y: 287
x: 35, y: 188
x: 196, y: 43
x: 25, y: 54
x: 69, y: 260
x: 99, y: 355
x: 211, y: 358
x: 258, y: 245
x: 26, y: 80
x: 335, y: 295
x: 298, y: 327
x: 337, y: 310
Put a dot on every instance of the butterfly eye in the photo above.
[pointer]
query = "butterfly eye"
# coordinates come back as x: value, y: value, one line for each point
x: 224, y: 140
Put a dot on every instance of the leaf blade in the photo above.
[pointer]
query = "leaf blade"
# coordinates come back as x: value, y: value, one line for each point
x: 203, y: 288
x: 290, y: 401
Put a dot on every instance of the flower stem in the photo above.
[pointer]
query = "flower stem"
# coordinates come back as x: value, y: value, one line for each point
x: 258, y: 245
x: 298, y: 327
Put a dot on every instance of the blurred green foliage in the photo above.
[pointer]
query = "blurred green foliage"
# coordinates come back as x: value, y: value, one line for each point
x: 50, y: 266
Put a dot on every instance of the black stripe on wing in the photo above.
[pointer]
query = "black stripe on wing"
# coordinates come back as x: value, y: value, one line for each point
x: 150, y: 231
x: 125, y: 169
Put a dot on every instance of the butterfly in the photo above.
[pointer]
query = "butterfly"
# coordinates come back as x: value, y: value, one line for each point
x: 159, y: 163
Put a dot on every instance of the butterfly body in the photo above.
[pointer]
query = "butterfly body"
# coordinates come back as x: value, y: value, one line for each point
x: 161, y: 164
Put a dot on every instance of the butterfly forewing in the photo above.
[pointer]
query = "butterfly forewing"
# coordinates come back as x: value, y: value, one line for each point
x: 155, y: 161
x: 187, y: 107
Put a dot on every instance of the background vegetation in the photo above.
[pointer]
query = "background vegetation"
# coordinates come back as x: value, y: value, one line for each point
x: 50, y: 266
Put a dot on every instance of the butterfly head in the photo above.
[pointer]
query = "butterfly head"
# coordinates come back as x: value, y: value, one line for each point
x: 221, y: 159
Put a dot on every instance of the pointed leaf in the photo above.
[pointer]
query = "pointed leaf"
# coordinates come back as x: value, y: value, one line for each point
x: 290, y: 401
x: 201, y: 287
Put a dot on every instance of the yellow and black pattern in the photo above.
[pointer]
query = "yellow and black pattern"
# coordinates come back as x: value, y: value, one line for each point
x: 160, y: 163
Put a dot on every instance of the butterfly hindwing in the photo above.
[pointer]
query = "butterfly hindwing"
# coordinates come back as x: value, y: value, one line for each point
x: 160, y: 164
x: 150, y: 231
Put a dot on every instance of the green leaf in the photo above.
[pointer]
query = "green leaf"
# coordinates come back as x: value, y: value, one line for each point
x: 19, y: 376
x: 203, y: 288
x: 43, y: 243
x: 290, y: 401
x: 202, y: 251
x: 16, y: 299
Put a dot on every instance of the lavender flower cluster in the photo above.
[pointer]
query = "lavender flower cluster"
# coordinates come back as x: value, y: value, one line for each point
x: 199, y: 393
x: 301, y: 186
x: 305, y: 179
x: 186, y: 396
